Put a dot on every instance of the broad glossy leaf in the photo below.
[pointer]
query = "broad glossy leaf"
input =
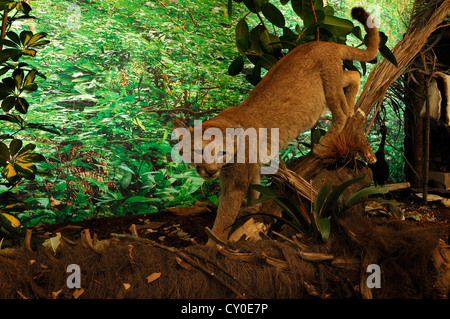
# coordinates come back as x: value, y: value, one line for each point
x: 29, y: 84
x: 30, y: 52
x: 12, y: 4
x: 13, y: 36
x: 28, y: 170
x: 338, y: 26
x: 23, y: 6
x: 302, y: 7
x: 9, y: 43
x: 22, y: 105
x: 4, y: 153
x: 9, y: 172
x: 33, y: 40
x: 324, y: 225
x: 15, y: 146
x: 7, y: 87
x: 27, y: 149
x: 14, y: 54
x: 336, y: 194
x: 356, y: 197
x: 388, y: 55
x: 270, y: 43
x: 357, y: 32
x: 241, y: 35
x: 236, y: 66
x: 8, y: 103
x: 274, y: 15
x: 320, y: 198
x: 255, y: 5
x: 30, y: 158
x: 18, y: 77
x: 268, y: 61
x: 255, y: 46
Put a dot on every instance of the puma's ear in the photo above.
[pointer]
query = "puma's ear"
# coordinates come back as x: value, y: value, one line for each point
x: 177, y: 123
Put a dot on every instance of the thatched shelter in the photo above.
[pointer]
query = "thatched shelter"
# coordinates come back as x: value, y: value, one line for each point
x: 427, y: 37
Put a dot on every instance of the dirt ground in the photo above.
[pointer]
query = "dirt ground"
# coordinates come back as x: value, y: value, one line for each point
x: 154, y: 271
x: 179, y: 231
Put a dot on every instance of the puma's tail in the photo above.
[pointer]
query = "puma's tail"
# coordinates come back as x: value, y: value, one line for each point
x: 351, y: 53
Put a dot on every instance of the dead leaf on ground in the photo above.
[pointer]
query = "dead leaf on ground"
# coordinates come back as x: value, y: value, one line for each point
x: 77, y: 293
x: 53, y: 242
x: 55, y: 294
x: 153, y: 277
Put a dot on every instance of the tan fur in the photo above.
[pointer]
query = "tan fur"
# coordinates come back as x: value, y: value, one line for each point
x: 292, y: 96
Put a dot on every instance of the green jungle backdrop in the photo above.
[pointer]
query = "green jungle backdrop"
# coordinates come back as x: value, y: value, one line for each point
x: 115, y: 75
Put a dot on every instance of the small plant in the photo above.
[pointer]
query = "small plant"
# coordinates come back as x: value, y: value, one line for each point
x: 17, y: 159
x: 306, y: 217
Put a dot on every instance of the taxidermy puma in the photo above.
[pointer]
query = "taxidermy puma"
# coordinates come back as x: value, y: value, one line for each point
x: 292, y: 97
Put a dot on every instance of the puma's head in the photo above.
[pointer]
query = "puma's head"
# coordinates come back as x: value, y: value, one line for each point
x: 207, y: 153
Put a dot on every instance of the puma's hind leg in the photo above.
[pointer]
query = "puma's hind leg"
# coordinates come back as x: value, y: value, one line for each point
x: 350, y: 82
x: 337, y: 103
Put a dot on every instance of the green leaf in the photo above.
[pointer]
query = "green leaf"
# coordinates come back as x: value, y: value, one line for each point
x: 255, y: 5
x: 27, y: 149
x: 13, y: 118
x: 357, y: 32
x: 336, y: 194
x: 320, y: 199
x: 255, y: 47
x: 268, y: 61
x: 9, y: 172
x: 274, y: 15
x: 241, y: 36
x: 8, y: 103
x: 303, y: 7
x: 270, y: 43
x: 28, y: 83
x: 31, y: 158
x: 138, y: 199
x: 324, y: 225
x: 14, y: 37
x: 299, y: 7
x: 267, y: 194
x: 4, y: 153
x: 126, y: 180
x: 388, y: 55
x: 236, y: 66
x: 15, y: 146
x: 365, y: 192
x: 338, y: 26
x: 26, y: 169
x: 18, y: 77
x: 22, y: 105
